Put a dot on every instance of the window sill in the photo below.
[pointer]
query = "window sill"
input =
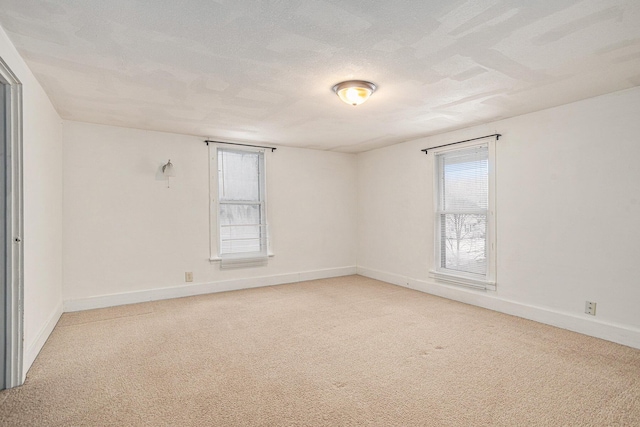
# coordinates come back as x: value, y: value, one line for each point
x: 470, y: 282
x: 217, y: 258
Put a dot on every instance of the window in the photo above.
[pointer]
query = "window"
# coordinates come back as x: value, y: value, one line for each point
x: 465, y: 217
x: 240, y: 225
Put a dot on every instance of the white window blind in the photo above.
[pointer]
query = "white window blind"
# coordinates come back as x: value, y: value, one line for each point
x: 462, y: 212
x: 242, y: 222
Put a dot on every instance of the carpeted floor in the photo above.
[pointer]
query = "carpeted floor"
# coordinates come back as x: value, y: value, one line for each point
x: 348, y: 351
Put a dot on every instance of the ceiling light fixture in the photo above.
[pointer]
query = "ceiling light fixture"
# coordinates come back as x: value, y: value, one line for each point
x: 354, y: 92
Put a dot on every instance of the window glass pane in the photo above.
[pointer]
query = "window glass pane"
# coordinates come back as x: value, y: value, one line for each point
x: 238, y: 175
x: 465, y: 180
x: 239, y: 239
x: 463, y: 242
x: 234, y: 214
x: 240, y: 229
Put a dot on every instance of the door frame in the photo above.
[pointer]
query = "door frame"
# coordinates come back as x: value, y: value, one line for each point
x: 14, y: 230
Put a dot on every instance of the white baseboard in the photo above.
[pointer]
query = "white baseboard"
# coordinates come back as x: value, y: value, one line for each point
x: 201, y: 288
x: 35, y: 347
x: 621, y: 334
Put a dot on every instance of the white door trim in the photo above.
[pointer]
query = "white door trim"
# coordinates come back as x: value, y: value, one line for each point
x: 14, y: 232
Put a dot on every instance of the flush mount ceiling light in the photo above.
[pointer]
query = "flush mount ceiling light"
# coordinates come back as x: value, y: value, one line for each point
x: 354, y: 92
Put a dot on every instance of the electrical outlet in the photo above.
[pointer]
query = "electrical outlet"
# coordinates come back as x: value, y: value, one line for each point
x: 188, y: 276
x: 590, y: 308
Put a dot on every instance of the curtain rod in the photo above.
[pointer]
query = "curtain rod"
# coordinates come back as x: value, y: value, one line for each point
x: 497, y: 135
x: 235, y: 143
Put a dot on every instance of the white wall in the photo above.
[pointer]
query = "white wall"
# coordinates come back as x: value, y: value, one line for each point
x: 42, y: 174
x: 568, y: 206
x: 127, y: 237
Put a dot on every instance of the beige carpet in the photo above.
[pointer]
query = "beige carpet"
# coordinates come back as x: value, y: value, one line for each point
x: 348, y: 351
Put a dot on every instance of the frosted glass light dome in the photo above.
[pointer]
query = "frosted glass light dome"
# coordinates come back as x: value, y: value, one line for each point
x: 354, y: 92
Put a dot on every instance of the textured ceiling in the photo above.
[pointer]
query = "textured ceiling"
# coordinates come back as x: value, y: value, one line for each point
x: 262, y: 71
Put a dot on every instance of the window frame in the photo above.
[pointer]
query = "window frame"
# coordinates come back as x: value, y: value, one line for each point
x: 448, y: 276
x: 215, y: 243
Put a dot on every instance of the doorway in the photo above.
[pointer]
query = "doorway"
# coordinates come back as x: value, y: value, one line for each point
x: 3, y: 238
x: 11, y: 251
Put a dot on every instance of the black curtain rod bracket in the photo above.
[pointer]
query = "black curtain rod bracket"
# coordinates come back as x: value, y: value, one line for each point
x: 244, y: 145
x: 497, y: 135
